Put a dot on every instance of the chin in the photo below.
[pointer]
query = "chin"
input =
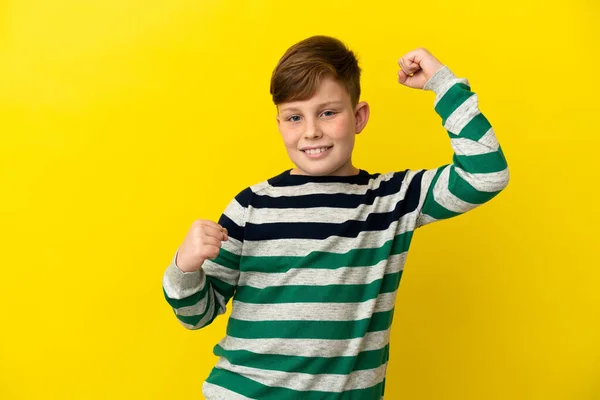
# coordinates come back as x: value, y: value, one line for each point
x: 317, y: 170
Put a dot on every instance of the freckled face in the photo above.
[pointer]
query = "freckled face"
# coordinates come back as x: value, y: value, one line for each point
x: 319, y: 133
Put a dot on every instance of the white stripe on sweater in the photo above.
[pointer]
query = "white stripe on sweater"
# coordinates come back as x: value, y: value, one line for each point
x: 332, y: 215
x: 485, y: 182
x: 321, y: 277
x: 461, y: 116
x: 301, y: 381
x: 312, y: 311
x: 216, y: 392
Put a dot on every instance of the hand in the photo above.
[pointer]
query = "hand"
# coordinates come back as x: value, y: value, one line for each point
x: 417, y: 67
x: 202, y: 242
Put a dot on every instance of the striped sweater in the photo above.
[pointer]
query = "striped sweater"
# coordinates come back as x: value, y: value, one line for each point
x: 313, y: 264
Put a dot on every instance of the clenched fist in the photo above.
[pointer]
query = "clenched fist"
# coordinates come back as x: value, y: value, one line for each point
x: 416, y: 67
x: 202, y: 242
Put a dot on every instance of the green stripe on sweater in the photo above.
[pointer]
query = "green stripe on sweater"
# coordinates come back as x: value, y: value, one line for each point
x: 302, y: 329
x: 464, y: 191
x: 249, y: 388
x: 452, y: 99
x: 481, y: 163
x: 351, y: 293
x: 326, y: 260
x: 309, y: 365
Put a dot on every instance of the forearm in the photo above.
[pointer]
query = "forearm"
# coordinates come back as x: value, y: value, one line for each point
x: 479, y: 170
x: 190, y: 295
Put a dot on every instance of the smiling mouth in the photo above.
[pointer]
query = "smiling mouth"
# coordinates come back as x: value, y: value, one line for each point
x: 316, y: 151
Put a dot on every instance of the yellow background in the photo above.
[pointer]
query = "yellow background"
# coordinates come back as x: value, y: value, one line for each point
x: 122, y: 122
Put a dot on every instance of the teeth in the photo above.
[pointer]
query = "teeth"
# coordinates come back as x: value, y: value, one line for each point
x: 316, y: 151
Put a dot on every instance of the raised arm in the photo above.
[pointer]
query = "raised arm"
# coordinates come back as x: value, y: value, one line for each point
x: 479, y: 170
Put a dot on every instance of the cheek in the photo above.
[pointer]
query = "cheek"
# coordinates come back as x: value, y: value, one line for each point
x: 342, y: 129
x: 289, y: 139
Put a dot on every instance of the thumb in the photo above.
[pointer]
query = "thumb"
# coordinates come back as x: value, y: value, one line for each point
x: 403, y: 77
x: 413, y: 81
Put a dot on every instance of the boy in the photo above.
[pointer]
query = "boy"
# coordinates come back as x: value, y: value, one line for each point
x: 313, y: 257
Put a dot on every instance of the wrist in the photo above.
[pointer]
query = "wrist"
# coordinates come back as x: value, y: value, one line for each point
x: 439, y: 79
x: 184, y: 266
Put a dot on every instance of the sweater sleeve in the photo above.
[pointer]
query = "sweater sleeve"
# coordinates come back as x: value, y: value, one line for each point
x: 479, y: 170
x: 198, y: 297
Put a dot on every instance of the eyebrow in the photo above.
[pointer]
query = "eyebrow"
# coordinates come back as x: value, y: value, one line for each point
x: 328, y: 103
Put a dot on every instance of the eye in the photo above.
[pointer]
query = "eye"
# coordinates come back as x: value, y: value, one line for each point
x: 291, y: 118
x: 330, y: 113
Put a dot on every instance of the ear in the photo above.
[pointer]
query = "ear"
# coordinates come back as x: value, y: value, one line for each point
x: 361, y: 116
x: 278, y: 118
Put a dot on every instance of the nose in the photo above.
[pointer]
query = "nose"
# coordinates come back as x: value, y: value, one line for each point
x: 313, y: 130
